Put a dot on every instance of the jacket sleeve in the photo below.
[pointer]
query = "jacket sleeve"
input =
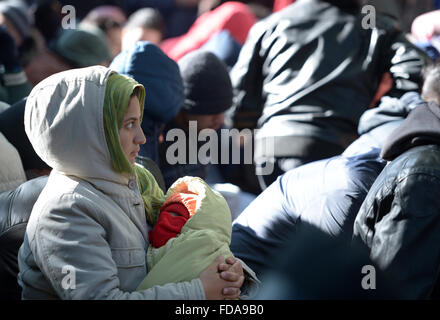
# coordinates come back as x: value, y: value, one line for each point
x: 403, y: 60
x: 71, y: 236
x: 247, y: 80
x: 251, y: 284
x: 405, y: 237
x: 16, y: 87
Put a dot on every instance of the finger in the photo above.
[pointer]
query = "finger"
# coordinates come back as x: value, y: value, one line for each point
x: 231, y: 293
x: 240, y: 281
x: 231, y: 260
x: 236, y: 284
x: 230, y: 276
x: 236, y: 267
x: 223, y: 267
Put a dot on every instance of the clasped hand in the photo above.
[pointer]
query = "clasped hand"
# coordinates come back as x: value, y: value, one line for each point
x: 223, y: 279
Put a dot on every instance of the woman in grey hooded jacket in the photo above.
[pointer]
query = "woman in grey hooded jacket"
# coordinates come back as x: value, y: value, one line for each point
x: 87, y: 234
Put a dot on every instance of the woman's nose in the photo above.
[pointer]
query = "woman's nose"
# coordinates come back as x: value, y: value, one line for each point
x: 140, y: 136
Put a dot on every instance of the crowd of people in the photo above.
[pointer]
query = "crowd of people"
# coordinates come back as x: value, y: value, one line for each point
x: 117, y: 180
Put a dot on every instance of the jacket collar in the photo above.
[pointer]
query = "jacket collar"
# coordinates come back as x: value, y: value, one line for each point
x: 421, y: 127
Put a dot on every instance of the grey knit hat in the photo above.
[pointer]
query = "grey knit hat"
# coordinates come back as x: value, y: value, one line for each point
x: 17, y: 13
x: 82, y: 47
x: 146, y: 18
x: 207, y: 85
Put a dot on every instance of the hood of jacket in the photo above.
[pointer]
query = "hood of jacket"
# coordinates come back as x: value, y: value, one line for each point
x: 65, y: 124
x: 376, y: 125
x: 148, y: 65
x: 390, y: 109
x: 421, y: 127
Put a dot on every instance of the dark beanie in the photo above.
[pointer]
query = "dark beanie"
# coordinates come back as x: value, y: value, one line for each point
x: 12, y: 127
x: 206, y: 81
x: 150, y: 66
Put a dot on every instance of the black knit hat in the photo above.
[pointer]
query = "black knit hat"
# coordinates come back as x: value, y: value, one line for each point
x: 12, y: 127
x: 207, y: 85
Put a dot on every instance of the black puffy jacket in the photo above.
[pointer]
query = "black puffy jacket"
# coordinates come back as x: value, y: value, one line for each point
x: 399, y: 220
x: 312, y: 69
x: 15, y: 209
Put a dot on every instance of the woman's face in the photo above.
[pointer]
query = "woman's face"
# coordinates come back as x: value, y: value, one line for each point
x: 131, y: 134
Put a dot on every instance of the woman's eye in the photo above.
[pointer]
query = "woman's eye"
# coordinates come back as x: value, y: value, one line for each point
x: 129, y: 125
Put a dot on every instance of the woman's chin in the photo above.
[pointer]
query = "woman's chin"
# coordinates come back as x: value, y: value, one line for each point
x: 132, y: 157
x: 132, y: 160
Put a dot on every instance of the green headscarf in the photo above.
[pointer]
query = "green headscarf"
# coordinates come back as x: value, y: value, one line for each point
x: 117, y: 96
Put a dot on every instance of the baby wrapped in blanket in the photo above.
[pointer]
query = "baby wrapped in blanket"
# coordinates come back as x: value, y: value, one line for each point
x: 192, y: 229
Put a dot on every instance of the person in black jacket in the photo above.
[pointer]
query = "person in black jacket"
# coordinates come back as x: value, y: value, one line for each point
x: 307, y: 73
x: 325, y: 194
x: 15, y: 209
x: 399, y: 221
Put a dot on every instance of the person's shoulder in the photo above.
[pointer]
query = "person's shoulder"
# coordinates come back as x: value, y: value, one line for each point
x: 59, y: 184
x: 420, y: 158
x: 68, y: 201
x: 64, y: 192
x: 387, y: 23
x: 420, y: 165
